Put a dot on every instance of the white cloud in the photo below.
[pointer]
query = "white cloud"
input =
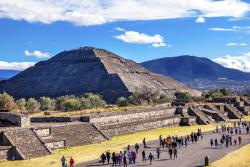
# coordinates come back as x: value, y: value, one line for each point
x: 119, y: 29
x: 245, y: 29
x: 236, y: 44
x: 237, y: 62
x: 16, y: 65
x: 93, y: 12
x: 37, y: 54
x: 200, y: 20
x: 141, y: 38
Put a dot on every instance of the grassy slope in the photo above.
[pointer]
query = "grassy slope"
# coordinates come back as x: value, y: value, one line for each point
x: 93, y: 151
x: 238, y: 158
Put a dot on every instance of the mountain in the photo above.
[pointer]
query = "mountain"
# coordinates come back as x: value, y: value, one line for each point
x: 6, y: 74
x: 186, y: 68
x: 88, y: 69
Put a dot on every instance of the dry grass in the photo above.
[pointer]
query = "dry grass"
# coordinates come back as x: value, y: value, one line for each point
x: 93, y: 151
x: 238, y: 158
x: 89, y: 111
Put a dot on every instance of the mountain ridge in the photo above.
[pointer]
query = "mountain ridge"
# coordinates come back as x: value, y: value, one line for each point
x: 186, y: 67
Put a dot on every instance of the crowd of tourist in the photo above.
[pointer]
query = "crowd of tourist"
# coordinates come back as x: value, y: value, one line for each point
x: 231, y: 136
x: 130, y: 154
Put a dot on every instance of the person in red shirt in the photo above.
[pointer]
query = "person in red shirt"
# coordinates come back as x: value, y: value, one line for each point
x: 71, y: 162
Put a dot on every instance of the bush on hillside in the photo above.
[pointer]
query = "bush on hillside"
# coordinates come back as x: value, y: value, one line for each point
x: 6, y: 102
x: 46, y: 104
x: 71, y: 105
x: 21, y: 104
x: 95, y: 100
x: 32, y: 105
x: 122, y: 102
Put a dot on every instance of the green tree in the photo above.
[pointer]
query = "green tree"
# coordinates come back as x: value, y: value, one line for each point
x: 163, y: 99
x: 46, y: 104
x: 183, y: 97
x: 122, y: 102
x: 21, y: 104
x: 60, y: 102
x: 85, y: 103
x: 226, y: 92
x: 71, y: 105
x: 95, y: 100
x: 7, y: 102
x: 32, y: 105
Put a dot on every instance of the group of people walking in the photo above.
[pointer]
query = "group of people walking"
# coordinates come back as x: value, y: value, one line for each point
x: 170, y: 144
x: 231, y: 135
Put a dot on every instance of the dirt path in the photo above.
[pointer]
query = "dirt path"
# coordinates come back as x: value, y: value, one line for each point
x: 191, y: 156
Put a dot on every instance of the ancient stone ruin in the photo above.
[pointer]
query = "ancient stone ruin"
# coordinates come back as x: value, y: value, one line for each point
x: 85, y: 70
x: 26, y: 137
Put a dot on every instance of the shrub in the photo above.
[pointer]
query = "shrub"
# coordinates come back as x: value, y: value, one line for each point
x: 59, y: 104
x: 46, y: 104
x: 32, y: 105
x: 6, y: 102
x: 95, y: 100
x: 71, y: 105
x: 21, y: 104
x: 85, y: 103
x: 163, y: 99
x: 122, y: 102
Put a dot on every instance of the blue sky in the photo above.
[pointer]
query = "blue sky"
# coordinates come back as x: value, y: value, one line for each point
x: 219, y: 34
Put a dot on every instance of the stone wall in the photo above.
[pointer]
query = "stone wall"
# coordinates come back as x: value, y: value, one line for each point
x: 131, y: 116
x: 5, y: 152
x: 15, y: 119
x: 132, y: 127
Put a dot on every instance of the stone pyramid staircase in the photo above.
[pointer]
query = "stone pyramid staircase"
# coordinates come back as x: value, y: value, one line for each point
x: 201, y: 117
x: 222, y: 115
x: 233, y: 113
x: 76, y: 134
x: 26, y: 142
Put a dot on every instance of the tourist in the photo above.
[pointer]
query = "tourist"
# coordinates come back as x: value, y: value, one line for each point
x: 63, y: 160
x: 71, y: 162
x: 108, y: 156
x: 221, y: 142
x: 130, y: 157
x: 247, y: 129
x: 170, y: 151
x: 144, y: 143
x: 239, y: 139
x: 211, y: 142
x: 227, y: 141
x: 160, y: 139
x: 235, y: 142
x: 163, y: 143
x: 128, y: 148
x: 125, y: 161
x: 137, y: 148
x: 158, y: 152
x: 133, y: 156
x: 119, y: 158
x: 216, y: 143
x: 103, y: 158
x: 114, y: 159
x: 150, y: 157
x: 175, y: 153
x: 143, y: 156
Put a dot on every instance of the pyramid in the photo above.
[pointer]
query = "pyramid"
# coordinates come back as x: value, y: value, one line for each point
x: 88, y: 69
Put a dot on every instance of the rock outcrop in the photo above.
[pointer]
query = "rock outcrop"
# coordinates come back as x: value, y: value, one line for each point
x: 88, y: 69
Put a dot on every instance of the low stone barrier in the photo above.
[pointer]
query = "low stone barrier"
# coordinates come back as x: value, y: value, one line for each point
x: 15, y: 119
